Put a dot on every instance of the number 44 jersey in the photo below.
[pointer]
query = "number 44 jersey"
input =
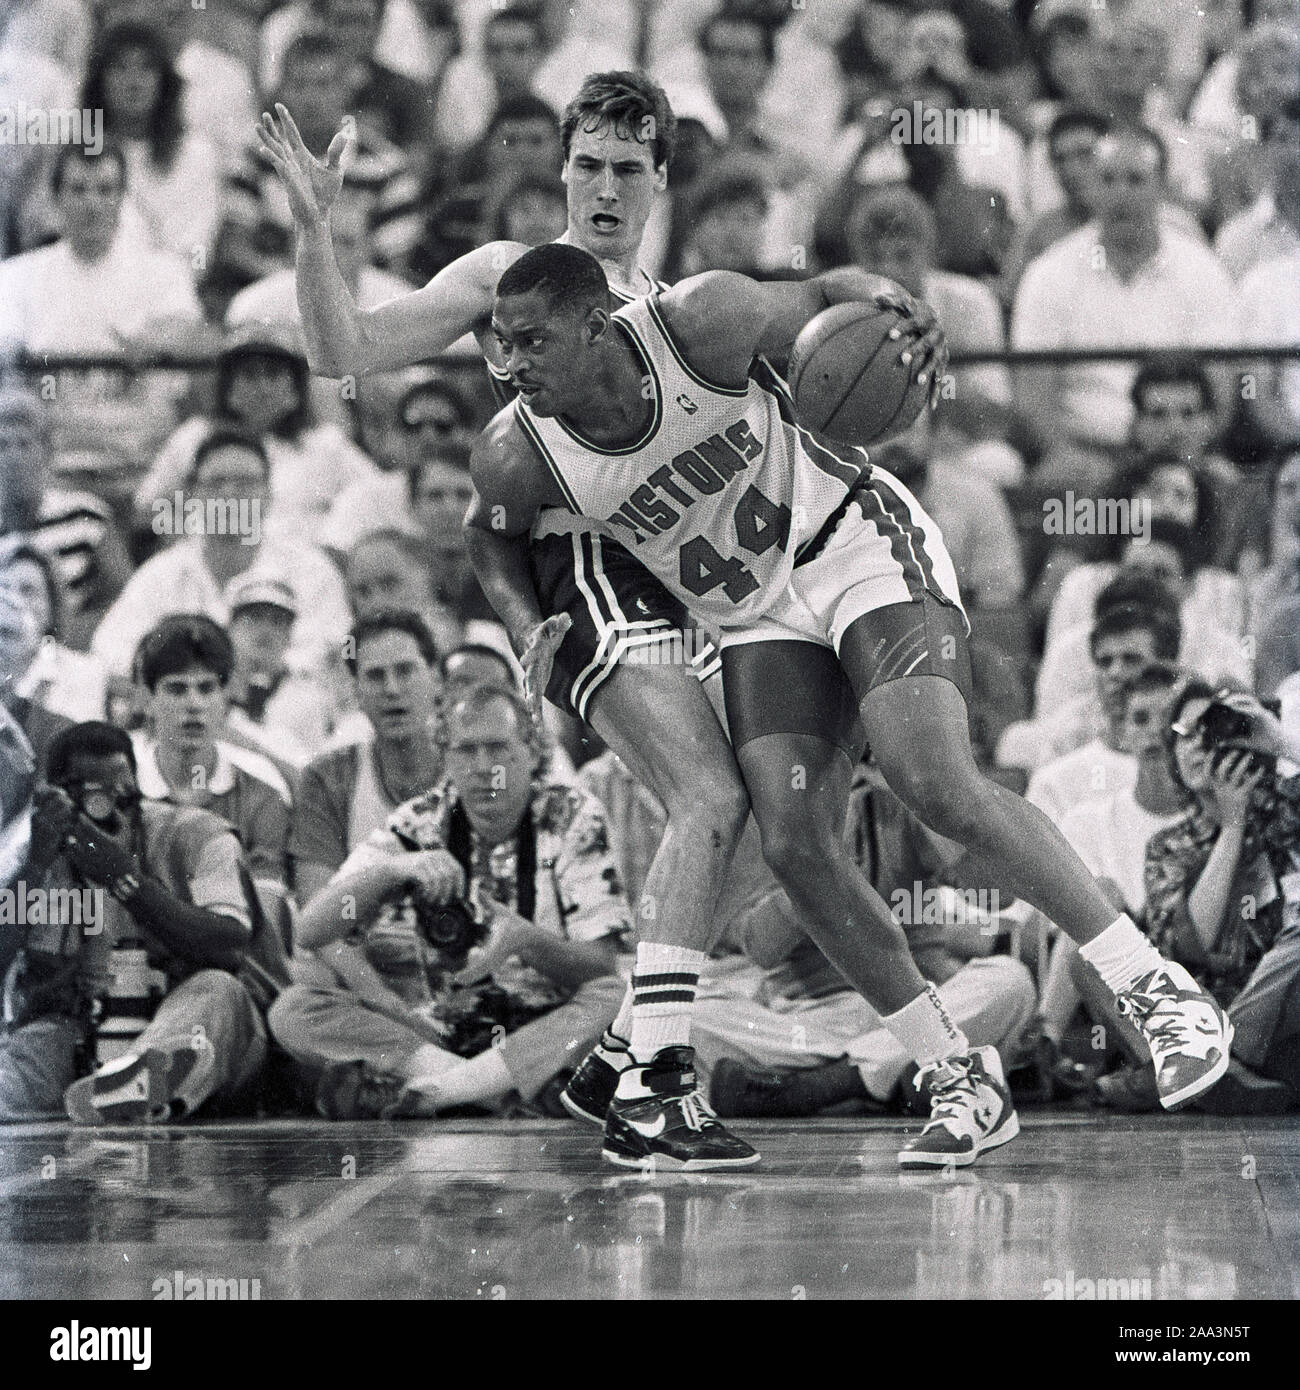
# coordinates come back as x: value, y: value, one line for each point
x: 718, y: 494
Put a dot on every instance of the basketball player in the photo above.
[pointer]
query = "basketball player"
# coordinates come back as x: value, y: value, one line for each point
x: 835, y: 597
x: 618, y: 137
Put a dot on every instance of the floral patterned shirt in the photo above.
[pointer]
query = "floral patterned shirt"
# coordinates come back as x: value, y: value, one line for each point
x: 1264, y: 891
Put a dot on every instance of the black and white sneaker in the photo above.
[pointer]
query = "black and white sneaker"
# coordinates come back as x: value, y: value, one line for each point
x: 592, y: 1086
x: 1188, y: 1033
x: 970, y: 1111
x: 658, y: 1119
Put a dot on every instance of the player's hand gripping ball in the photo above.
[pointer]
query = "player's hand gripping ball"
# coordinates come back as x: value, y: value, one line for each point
x: 862, y: 372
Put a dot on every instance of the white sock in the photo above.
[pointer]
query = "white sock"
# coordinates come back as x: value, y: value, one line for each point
x: 1121, y: 955
x: 663, y: 994
x: 479, y: 1081
x: 925, y: 1030
x: 621, y: 1027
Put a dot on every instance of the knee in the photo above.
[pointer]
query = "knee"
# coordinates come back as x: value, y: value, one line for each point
x: 952, y: 805
x: 714, y: 800
x: 796, y: 851
x: 288, y: 1014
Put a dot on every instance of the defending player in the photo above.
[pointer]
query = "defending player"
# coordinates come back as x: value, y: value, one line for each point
x: 600, y: 602
x: 835, y: 594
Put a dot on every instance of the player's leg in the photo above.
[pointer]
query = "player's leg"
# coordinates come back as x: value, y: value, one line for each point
x: 918, y: 728
x: 792, y: 720
x: 655, y: 716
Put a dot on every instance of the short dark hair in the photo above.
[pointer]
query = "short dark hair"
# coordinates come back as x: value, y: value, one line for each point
x: 631, y: 103
x: 444, y: 390
x: 179, y: 642
x: 1193, y: 688
x: 1165, y: 627
x: 226, y: 437
x: 392, y: 620
x: 299, y: 417
x: 67, y: 153
x: 731, y: 14
x: 91, y: 739
x: 1130, y: 590
x: 478, y: 649
x: 1172, y: 369
x: 1076, y: 118
x: 524, y: 106
x: 566, y: 275
x: 312, y: 46
x: 53, y: 591
x: 1135, y: 130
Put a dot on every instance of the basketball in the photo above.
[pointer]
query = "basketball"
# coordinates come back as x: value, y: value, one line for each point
x: 847, y: 379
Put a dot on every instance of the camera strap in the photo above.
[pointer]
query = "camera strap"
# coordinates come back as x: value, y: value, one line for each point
x: 460, y: 845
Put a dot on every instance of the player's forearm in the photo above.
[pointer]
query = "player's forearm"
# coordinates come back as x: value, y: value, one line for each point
x: 569, y: 964
x: 505, y: 575
x: 330, y: 318
x: 850, y: 284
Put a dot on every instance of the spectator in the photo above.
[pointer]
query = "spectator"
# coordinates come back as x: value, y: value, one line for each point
x: 262, y: 391
x: 838, y: 1050
x: 532, y: 211
x: 1222, y: 897
x: 74, y: 530
x: 219, y: 94
x: 1110, y: 833
x: 434, y: 422
x: 25, y: 716
x: 271, y: 707
x: 1243, y: 89
x: 1270, y: 227
x: 39, y: 666
x: 388, y: 569
x: 1275, y: 603
x: 256, y: 238
x: 1074, y: 750
x: 99, y: 284
x: 729, y: 207
x: 349, y: 792
x: 1211, y: 605
x: 184, y: 665
x: 1122, y: 280
x: 892, y: 232
x: 475, y: 663
x: 522, y: 137
x: 171, y: 877
x: 173, y: 170
x: 395, y: 1040
x: 513, y: 42
x: 220, y: 517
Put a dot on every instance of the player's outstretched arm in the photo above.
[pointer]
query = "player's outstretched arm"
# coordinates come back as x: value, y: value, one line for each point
x: 342, y: 339
x: 511, y: 485
x: 722, y: 320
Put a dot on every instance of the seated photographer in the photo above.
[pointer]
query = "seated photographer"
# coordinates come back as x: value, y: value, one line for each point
x: 804, y: 1039
x: 468, y: 950
x: 1223, y: 896
x: 82, y: 1026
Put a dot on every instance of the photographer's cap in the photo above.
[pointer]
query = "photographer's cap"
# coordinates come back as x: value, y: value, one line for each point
x: 260, y: 590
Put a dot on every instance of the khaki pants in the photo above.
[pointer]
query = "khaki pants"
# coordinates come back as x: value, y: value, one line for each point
x: 990, y: 999
x: 38, y: 1060
x: 321, y: 1021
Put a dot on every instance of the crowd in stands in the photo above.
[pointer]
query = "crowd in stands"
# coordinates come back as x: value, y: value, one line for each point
x: 236, y: 608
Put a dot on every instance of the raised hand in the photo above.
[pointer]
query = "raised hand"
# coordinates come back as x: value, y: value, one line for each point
x: 312, y: 184
x: 921, y: 337
x: 538, y: 656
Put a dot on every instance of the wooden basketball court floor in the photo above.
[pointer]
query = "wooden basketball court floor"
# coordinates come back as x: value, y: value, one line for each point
x: 1199, y: 1207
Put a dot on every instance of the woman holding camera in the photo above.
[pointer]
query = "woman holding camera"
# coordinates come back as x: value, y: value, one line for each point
x: 1223, y: 889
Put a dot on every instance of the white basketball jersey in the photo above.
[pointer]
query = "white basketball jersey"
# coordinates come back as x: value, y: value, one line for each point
x: 717, y: 495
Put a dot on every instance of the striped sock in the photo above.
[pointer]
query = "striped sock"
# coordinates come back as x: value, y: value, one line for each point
x: 663, y: 993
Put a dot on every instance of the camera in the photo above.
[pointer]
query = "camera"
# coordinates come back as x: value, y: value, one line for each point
x: 124, y: 1011
x: 1225, y: 732
x: 451, y: 929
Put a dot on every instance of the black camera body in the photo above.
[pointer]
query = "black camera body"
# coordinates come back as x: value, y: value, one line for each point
x: 1226, y: 731
x: 450, y: 929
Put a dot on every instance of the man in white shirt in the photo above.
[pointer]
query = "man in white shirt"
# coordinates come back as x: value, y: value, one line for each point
x: 1125, y: 280
x: 98, y: 284
x: 229, y: 482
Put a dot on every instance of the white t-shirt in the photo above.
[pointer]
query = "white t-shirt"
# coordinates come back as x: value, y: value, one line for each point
x: 1090, y: 772
x: 1270, y: 308
x: 1070, y: 298
x: 1110, y: 835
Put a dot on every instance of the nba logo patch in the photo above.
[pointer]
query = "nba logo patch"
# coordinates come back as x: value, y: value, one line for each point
x: 687, y: 404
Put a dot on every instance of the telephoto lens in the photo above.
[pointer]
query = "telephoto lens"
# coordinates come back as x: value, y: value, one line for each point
x: 127, y: 1007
